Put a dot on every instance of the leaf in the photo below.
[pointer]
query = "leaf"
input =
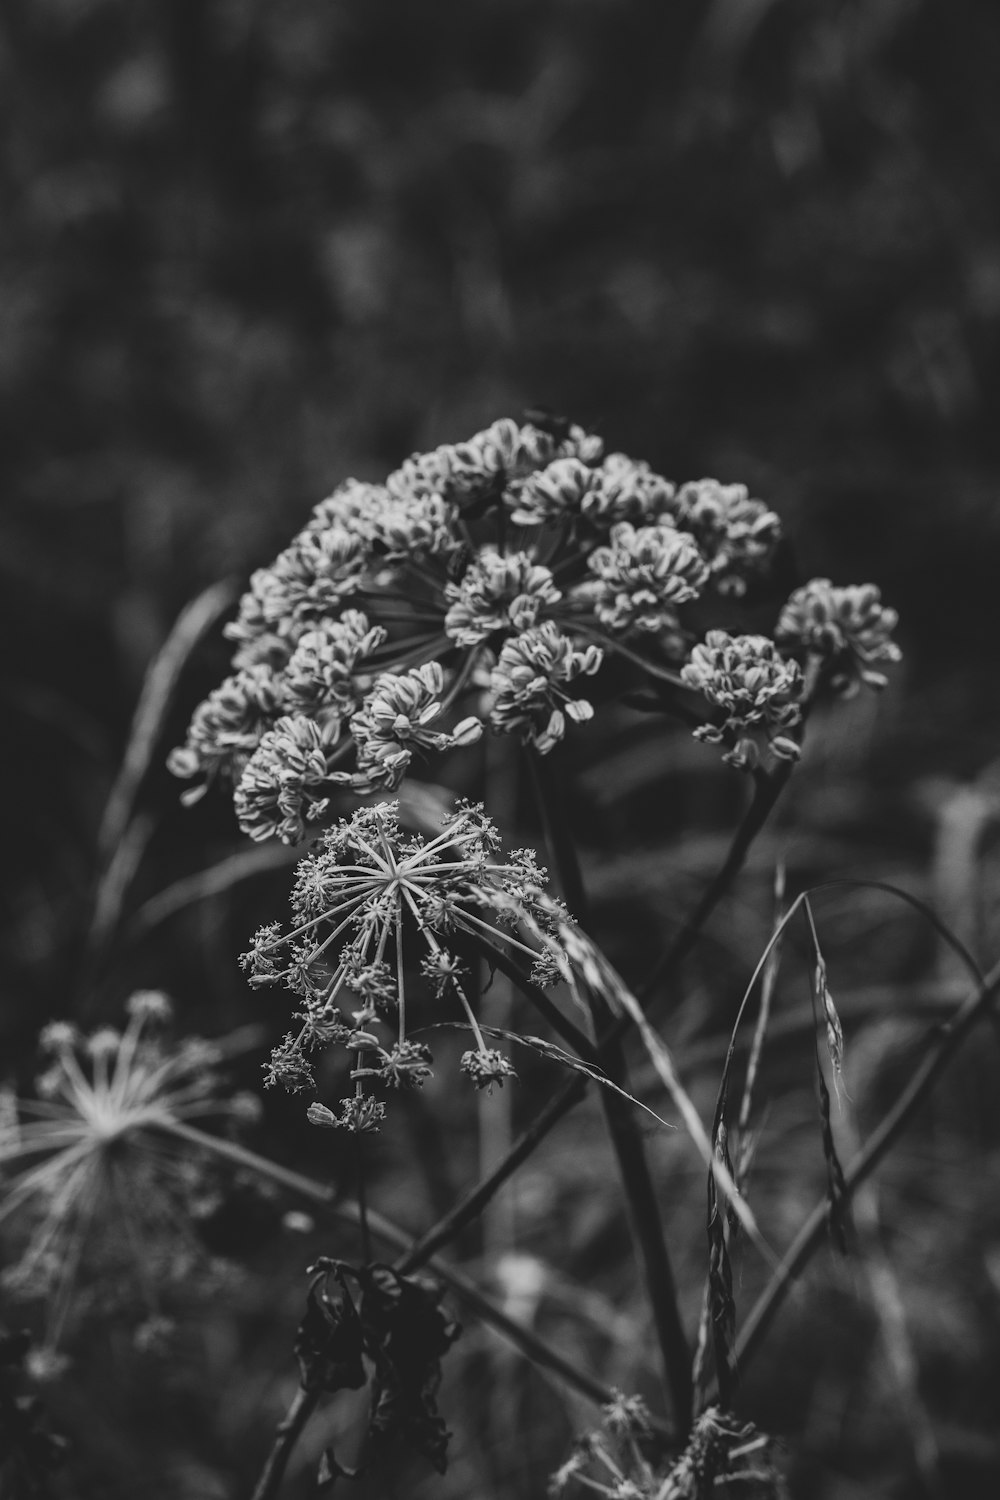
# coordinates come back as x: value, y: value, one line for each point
x: 157, y: 691
x: 329, y: 1342
x: 406, y: 1335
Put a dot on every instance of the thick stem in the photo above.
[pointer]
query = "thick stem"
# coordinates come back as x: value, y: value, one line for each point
x: 637, y: 1182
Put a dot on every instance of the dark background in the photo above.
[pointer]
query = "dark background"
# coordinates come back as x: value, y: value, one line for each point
x: 249, y: 249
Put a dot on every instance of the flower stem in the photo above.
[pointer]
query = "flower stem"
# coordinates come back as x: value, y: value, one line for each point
x: 636, y: 1178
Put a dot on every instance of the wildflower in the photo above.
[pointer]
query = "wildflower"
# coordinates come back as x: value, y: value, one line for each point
x: 757, y: 692
x: 227, y: 727
x: 277, y: 791
x: 627, y: 489
x: 321, y: 676
x: 721, y: 1454
x: 486, y: 1068
x: 360, y: 1114
x: 498, y: 562
x: 643, y: 575
x: 500, y: 456
x: 556, y: 493
x: 394, y: 719
x: 310, y: 580
x: 737, y: 534
x: 850, y: 628
x: 406, y: 1065
x: 359, y: 903
x: 93, y: 1197
x: 527, y: 685
x: 498, y: 592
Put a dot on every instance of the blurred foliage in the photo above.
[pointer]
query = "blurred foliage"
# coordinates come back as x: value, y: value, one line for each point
x: 249, y: 249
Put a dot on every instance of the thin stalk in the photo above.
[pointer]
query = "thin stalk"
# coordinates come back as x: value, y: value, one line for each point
x: 562, y: 1025
x: 768, y: 787
x: 287, y: 1434
x: 945, y: 1042
x: 626, y: 1139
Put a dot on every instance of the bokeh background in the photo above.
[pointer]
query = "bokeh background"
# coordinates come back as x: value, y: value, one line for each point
x: 248, y: 249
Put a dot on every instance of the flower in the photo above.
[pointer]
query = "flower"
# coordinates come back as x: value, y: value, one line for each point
x: 94, y: 1195
x: 321, y: 675
x: 309, y: 580
x: 498, y: 592
x: 359, y: 904
x: 518, y: 560
x: 486, y: 1068
x: 850, y: 628
x: 627, y: 490
x: 395, y: 719
x: 527, y: 685
x: 757, y: 691
x: 227, y: 727
x: 721, y: 1453
x: 642, y: 575
x: 275, y: 794
x: 738, y: 535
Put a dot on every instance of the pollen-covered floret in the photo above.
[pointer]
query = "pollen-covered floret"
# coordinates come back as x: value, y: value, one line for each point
x: 280, y: 789
x: 736, y: 533
x: 528, y: 685
x: 499, y: 592
x: 757, y: 692
x: 850, y: 627
x: 641, y: 577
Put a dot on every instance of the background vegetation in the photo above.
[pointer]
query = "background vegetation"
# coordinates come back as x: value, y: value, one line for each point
x: 248, y: 250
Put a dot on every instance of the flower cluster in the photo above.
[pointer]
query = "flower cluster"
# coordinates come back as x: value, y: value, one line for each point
x: 620, y: 1459
x: 364, y: 904
x: 849, y: 629
x: 511, y: 563
x: 100, y: 1176
x: 756, y: 692
x: 469, y: 591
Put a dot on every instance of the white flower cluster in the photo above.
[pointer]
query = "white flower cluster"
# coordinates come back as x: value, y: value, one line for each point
x: 476, y: 588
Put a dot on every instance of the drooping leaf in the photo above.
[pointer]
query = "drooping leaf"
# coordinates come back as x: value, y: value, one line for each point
x: 406, y: 1336
x: 330, y: 1341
